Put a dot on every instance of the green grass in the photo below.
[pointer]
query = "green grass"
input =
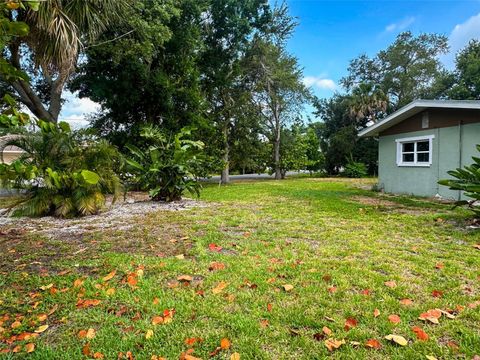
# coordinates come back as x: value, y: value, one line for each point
x: 312, y: 234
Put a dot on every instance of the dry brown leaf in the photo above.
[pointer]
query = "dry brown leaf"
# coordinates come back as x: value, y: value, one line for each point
x: 46, y: 287
x: 406, y: 302
x: 30, y: 347
x: 287, y: 287
x: 220, y: 287
x: 78, y: 283
x: 400, y: 340
x: 16, y: 324
x: 109, y: 276
x: 185, y: 278
x: 90, y: 334
x: 41, y: 329
x: 333, y: 344
x: 391, y: 284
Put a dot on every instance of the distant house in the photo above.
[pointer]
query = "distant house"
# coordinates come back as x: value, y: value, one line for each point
x: 10, y: 154
x: 419, y: 143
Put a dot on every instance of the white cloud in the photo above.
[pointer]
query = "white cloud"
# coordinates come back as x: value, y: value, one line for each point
x: 401, y: 25
x: 459, y: 38
x: 320, y: 82
x: 75, y: 110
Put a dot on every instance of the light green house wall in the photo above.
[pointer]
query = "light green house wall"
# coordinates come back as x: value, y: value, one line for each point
x: 452, y: 147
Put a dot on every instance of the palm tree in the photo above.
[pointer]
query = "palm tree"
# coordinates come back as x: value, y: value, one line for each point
x: 58, y: 32
x: 367, y: 102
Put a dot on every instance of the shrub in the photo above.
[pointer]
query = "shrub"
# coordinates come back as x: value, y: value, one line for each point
x: 168, y: 165
x: 61, y: 174
x: 355, y: 170
x: 467, y: 180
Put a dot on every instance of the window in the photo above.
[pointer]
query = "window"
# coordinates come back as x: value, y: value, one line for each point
x: 415, y: 151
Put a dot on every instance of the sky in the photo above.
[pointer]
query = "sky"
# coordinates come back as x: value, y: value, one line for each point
x: 332, y: 32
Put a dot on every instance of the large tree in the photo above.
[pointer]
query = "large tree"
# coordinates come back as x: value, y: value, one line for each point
x: 276, y: 81
x: 404, y: 71
x: 50, y: 51
x: 151, y: 74
x: 466, y: 76
x: 229, y: 26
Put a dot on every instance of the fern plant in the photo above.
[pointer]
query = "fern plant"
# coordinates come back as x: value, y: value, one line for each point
x: 61, y: 174
x: 468, y: 181
x: 167, y: 165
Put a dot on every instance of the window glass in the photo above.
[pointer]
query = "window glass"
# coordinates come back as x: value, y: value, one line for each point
x: 408, y: 147
x: 423, y: 146
x: 423, y: 157
x: 408, y: 157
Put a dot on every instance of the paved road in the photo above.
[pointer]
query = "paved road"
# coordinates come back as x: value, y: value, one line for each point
x: 216, y: 178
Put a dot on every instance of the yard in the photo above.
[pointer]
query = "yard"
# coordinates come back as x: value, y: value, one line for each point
x: 263, y: 270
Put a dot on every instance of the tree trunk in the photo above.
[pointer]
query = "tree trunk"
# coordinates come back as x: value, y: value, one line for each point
x: 28, y: 96
x: 278, y: 170
x: 225, y: 179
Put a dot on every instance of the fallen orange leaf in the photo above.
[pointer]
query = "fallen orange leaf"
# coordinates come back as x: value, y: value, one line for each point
x: 421, y: 335
x: 406, y: 302
x: 350, y: 323
x: 98, y: 355
x: 326, y: 331
x: 157, y: 320
x: 376, y: 313
x: 225, y: 343
x: 395, y: 319
x: 373, y: 344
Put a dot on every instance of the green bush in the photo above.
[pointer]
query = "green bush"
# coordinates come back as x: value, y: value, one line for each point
x: 60, y: 173
x: 167, y: 166
x: 355, y: 170
x: 467, y: 180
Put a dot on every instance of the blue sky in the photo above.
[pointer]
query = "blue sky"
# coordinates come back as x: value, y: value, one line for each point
x: 332, y: 32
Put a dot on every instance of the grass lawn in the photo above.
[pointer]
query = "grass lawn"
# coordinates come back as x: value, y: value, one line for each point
x: 218, y: 272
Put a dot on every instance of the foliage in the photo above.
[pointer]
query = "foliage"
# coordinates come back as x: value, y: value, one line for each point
x: 404, y: 71
x: 467, y: 73
x: 11, y: 116
x: 355, y: 169
x: 62, y: 175
x: 468, y: 181
x: 166, y: 166
x: 59, y: 29
x: 149, y: 75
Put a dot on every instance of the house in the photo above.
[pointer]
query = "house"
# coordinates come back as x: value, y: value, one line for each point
x: 10, y: 154
x: 422, y: 141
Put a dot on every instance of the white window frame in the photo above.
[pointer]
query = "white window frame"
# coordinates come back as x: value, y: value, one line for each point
x: 415, y: 140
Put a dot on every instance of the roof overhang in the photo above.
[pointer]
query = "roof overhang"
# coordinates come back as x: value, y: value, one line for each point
x: 414, y: 108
